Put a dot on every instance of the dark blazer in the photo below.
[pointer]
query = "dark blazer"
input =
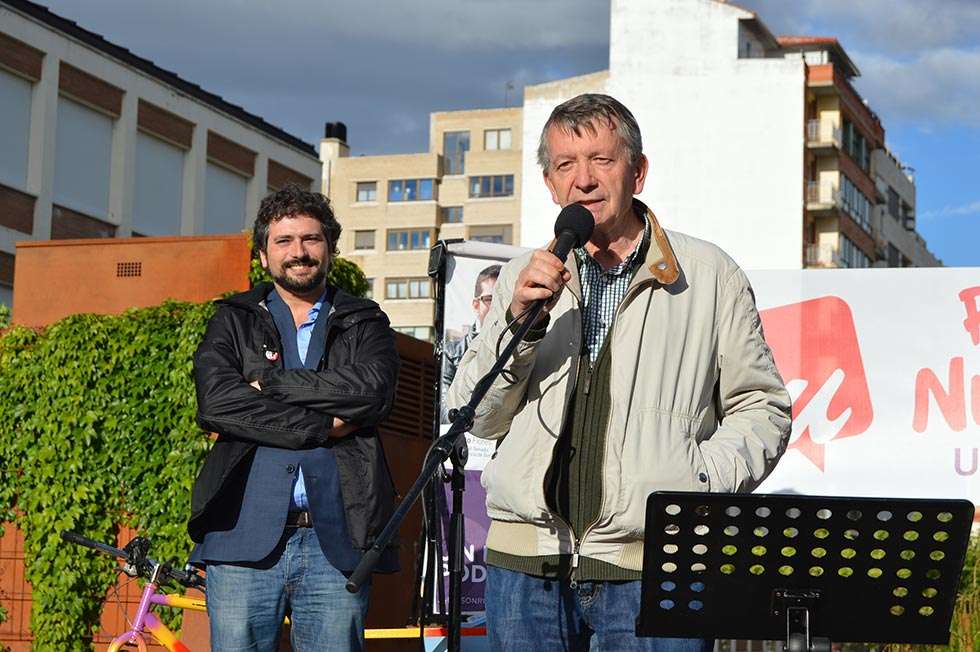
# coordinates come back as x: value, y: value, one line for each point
x: 354, y: 380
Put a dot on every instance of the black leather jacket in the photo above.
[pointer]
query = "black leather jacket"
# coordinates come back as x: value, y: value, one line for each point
x: 355, y: 381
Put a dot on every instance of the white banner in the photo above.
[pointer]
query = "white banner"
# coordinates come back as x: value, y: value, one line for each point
x: 884, y: 369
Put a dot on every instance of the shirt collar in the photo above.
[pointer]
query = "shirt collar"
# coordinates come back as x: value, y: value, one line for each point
x: 632, y: 260
x: 316, y: 307
x: 314, y: 310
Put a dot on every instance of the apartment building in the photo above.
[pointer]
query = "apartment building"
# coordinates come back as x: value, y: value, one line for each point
x: 897, y: 241
x: 98, y: 142
x: 395, y: 207
x: 853, y: 181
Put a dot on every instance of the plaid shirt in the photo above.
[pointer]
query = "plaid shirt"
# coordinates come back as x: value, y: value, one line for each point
x: 604, y: 290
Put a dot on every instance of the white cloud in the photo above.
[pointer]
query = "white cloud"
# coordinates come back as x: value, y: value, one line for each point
x: 890, y: 26
x: 464, y: 25
x: 972, y: 208
x: 919, y: 59
x: 939, y: 86
x: 902, y: 26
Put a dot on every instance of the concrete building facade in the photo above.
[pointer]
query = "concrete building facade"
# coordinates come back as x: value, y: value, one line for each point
x: 98, y: 142
x: 395, y: 207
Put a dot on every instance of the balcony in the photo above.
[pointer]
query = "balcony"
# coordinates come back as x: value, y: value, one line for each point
x: 822, y: 135
x: 822, y: 197
x: 822, y: 255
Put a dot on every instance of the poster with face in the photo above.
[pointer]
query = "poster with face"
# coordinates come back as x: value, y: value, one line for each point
x: 471, y: 276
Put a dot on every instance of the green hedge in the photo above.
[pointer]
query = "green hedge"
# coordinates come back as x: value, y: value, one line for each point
x: 97, y: 422
x: 97, y: 429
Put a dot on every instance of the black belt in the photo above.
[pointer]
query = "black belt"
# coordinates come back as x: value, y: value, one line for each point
x: 299, y: 519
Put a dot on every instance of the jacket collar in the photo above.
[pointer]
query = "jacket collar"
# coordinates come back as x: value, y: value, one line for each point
x: 661, y: 263
x: 341, y: 303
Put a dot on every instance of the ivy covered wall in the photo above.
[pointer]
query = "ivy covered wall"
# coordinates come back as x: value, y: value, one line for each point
x: 96, y: 430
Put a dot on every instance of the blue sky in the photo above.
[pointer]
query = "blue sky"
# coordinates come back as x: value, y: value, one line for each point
x: 382, y: 66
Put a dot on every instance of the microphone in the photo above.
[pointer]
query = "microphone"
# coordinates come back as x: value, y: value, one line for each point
x: 573, y: 228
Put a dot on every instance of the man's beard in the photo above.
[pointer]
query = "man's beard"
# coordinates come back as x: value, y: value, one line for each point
x: 301, y: 286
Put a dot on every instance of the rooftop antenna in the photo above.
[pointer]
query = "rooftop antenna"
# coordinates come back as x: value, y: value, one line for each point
x: 508, y: 87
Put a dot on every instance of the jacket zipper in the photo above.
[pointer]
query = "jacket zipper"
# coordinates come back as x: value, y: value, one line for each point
x: 577, y: 545
x: 544, y: 487
x: 577, y: 540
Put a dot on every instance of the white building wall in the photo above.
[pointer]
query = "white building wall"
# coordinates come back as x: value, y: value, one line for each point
x: 725, y: 136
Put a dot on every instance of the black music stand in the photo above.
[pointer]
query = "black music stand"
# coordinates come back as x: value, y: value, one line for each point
x: 804, y: 569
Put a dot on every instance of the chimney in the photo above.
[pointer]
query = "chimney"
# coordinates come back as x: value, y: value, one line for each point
x: 336, y: 130
x: 332, y: 147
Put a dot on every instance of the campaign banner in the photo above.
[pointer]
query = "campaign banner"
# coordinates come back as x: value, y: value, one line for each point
x: 883, y: 366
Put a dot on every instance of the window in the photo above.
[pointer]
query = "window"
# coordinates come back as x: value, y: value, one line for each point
x: 498, y: 234
x: 83, y: 150
x: 856, y: 146
x: 410, y: 190
x: 855, y: 203
x: 418, y: 332
x: 157, y: 189
x: 367, y: 191
x: 496, y: 238
x: 894, y: 256
x: 498, y: 185
x: 852, y: 255
x: 496, y: 139
x: 408, y: 288
x: 893, y: 204
x: 364, y: 239
x: 452, y: 214
x: 408, y: 239
x: 455, y: 144
x: 369, y: 294
x: 224, y: 200
x: 15, y: 129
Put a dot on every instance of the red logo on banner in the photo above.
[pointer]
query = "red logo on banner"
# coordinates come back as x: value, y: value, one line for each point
x: 971, y: 301
x: 816, y: 349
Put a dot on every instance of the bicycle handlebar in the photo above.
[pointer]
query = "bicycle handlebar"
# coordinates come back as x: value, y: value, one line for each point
x: 89, y: 543
x: 141, y: 563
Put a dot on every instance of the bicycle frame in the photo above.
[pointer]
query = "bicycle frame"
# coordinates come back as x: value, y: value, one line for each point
x: 147, y: 621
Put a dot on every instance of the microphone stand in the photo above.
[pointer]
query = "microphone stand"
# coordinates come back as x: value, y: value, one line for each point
x: 451, y: 445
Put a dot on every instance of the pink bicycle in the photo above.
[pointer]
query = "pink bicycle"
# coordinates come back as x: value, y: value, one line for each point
x: 136, y: 563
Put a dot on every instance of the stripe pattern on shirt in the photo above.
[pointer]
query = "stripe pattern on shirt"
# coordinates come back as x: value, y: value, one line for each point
x: 604, y: 290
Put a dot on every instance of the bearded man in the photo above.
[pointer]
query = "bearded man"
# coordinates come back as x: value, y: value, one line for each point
x: 293, y: 376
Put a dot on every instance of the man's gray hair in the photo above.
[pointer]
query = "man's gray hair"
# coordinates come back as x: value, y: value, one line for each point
x: 582, y: 112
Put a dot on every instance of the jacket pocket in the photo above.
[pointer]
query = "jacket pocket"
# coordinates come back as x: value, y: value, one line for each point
x: 366, y: 486
x: 514, y: 476
x: 660, y: 453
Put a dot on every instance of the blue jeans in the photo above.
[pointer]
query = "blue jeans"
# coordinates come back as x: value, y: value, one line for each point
x: 539, y: 615
x: 247, y: 602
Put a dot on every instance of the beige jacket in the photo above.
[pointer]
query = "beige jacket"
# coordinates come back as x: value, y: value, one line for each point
x: 697, y: 402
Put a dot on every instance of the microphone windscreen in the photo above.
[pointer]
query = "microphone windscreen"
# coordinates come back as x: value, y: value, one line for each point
x: 578, y: 220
